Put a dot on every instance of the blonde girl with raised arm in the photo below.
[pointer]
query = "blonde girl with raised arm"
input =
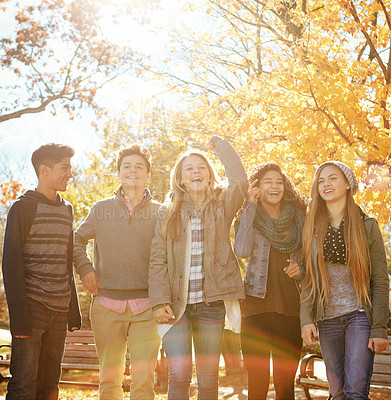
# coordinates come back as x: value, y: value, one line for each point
x: 194, y: 277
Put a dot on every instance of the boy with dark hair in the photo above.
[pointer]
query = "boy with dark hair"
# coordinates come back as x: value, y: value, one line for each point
x: 137, y: 149
x: 38, y: 277
x: 122, y: 227
x: 50, y: 154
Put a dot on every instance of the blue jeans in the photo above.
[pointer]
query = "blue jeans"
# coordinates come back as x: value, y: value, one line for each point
x: 204, y: 324
x: 349, y: 362
x: 36, y: 360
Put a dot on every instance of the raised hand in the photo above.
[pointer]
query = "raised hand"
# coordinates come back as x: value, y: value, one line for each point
x: 253, y: 192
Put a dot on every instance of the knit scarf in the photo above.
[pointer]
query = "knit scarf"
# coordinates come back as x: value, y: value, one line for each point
x: 285, y: 232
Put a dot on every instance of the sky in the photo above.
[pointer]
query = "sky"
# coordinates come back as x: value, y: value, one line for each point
x: 20, y: 137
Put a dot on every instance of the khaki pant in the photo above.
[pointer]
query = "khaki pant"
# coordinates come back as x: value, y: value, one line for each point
x: 112, y: 332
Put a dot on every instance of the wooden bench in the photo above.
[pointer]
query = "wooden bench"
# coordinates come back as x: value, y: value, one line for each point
x: 381, y: 377
x: 80, y: 354
x: 4, y: 361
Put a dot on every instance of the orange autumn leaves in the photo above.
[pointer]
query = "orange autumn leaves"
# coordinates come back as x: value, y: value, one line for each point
x: 301, y: 82
x: 9, y: 192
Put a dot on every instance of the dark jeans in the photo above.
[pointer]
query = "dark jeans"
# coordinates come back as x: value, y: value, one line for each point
x: 204, y: 325
x: 278, y: 335
x: 349, y: 362
x: 36, y: 360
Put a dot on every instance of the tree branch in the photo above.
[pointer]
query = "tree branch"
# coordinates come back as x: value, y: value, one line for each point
x: 353, y: 11
x: 386, y: 14
x: 261, y: 25
x: 31, y: 110
x: 331, y: 119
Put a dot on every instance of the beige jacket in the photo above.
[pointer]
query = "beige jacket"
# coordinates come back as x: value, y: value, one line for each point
x: 170, y: 260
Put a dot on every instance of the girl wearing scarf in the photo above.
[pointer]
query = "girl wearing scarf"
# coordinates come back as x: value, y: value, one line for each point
x: 345, y: 291
x: 270, y: 233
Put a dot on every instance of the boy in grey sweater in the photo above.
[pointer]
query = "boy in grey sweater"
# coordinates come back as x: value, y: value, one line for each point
x: 122, y: 227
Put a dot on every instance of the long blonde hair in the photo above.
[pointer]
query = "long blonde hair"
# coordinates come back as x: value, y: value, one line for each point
x: 172, y: 223
x: 356, y: 243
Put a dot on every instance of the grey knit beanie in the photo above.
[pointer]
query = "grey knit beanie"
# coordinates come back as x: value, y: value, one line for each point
x: 349, y: 174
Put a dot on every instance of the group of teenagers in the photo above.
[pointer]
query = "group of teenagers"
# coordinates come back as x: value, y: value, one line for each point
x: 168, y: 272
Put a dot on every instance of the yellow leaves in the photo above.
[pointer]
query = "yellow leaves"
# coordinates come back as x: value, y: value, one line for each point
x: 9, y: 192
x: 321, y: 97
x: 78, y: 394
x: 383, y: 36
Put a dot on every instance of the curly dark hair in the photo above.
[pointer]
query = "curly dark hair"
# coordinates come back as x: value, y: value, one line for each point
x: 291, y: 193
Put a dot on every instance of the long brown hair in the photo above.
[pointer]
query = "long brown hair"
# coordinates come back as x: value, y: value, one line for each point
x: 172, y: 223
x: 357, y: 250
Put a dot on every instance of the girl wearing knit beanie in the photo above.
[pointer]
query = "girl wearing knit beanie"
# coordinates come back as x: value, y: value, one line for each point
x: 269, y: 232
x: 345, y: 290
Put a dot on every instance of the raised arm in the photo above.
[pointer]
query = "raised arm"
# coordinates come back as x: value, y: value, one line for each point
x: 235, y: 173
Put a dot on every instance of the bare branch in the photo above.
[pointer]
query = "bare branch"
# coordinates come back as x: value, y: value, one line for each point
x: 29, y: 110
x: 261, y: 25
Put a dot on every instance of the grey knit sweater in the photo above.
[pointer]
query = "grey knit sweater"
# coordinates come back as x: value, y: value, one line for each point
x: 121, y: 246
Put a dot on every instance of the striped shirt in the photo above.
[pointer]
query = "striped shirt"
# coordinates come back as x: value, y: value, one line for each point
x: 196, y: 279
x: 46, y: 257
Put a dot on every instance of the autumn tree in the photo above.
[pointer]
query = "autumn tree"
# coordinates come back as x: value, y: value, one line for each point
x: 299, y: 82
x: 147, y: 123
x: 58, y: 54
x: 9, y: 192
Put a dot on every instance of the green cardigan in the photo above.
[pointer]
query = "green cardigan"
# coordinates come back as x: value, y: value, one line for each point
x: 378, y: 311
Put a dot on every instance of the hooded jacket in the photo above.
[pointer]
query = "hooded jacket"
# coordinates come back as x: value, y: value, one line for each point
x: 34, y: 213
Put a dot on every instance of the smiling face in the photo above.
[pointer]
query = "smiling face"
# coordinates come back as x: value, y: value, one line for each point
x: 332, y: 184
x: 57, y: 176
x: 195, y: 175
x: 133, y: 172
x: 271, y: 187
